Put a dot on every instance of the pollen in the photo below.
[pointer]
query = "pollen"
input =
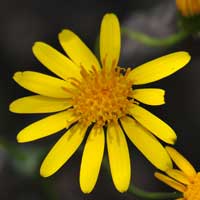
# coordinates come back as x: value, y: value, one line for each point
x: 193, y: 189
x: 102, y: 97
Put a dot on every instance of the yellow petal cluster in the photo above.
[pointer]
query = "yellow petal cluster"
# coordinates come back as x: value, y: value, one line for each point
x: 188, y: 8
x: 99, y: 98
x: 185, y: 179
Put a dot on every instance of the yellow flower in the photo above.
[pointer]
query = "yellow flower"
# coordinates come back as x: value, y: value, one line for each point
x: 188, y: 7
x: 186, y: 180
x: 96, y: 97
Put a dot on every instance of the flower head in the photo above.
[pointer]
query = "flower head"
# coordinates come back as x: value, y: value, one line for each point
x: 188, y: 8
x: 100, y: 98
x: 185, y: 179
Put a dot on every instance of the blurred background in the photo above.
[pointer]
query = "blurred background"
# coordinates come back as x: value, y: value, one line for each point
x: 24, y: 22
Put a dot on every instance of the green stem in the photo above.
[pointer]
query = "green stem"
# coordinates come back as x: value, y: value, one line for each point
x: 153, y: 195
x: 132, y: 189
x: 144, y: 194
x: 152, y: 41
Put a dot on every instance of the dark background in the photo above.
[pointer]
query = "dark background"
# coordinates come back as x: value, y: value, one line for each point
x: 25, y: 21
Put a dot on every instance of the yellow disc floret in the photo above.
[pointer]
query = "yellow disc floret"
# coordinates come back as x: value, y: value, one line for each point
x: 102, y: 96
x: 193, y: 189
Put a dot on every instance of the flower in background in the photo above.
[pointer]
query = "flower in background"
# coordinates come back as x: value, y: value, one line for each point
x: 188, y: 8
x: 99, y: 98
x: 186, y: 180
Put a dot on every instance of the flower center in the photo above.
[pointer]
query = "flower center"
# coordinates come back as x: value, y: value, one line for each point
x: 102, y: 97
x: 193, y: 189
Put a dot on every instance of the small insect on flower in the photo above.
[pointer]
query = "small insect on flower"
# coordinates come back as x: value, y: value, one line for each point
x: 100, y: 98
x: 186, y: 180
x: 188, y: 8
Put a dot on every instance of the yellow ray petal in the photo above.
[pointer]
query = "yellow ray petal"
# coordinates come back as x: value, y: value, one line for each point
x: 45, y: 127
x: 55, y: 61
x: 159, y: 68
x: 169, y: 181
x: 189, y: 7
x: 153, y: 124
x: 195, y: 6
x: 77, y: 50
x: 181, y: 5
x: 147, y: 144
x: 39, y: 104
x: 110, y: 41
x: 150, y: 96
x: 63, y: 150
x: 178, y: 175
x: 181, y: 162
x: 42, y: 84
x: 91, y: 159
x: 118, y: 157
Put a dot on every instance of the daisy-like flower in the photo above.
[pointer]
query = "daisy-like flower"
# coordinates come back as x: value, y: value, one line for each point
x: 98, y: 97
x: 188, y: 8
x: 185, y: 179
